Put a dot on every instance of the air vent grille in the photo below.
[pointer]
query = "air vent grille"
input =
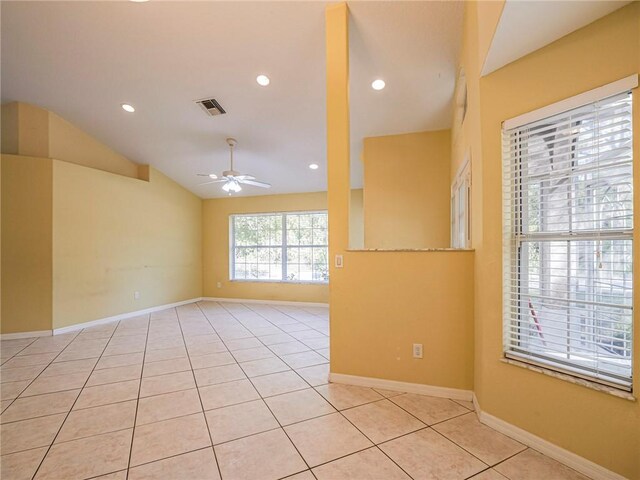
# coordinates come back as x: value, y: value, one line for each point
x: 211, y: 106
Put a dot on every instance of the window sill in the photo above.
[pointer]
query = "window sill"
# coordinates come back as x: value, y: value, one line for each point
x: 410, y: 250
x: 286, y: 282
x: 571, y: 379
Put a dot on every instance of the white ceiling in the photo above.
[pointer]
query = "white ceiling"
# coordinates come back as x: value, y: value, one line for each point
x: 83, y: 59
x: 526, y: 26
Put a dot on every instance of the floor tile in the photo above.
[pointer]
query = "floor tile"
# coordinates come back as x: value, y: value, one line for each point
x: 465, y: 404
x: 347, y: 396
x: 485, y: 443
x: 169, y: 437
x: 267, y: 456
x: 303, y: 359
x: 165, y: 354
x: 531, y: 465
x: 215, y: 375
x: 306, y: 475
x: 242, y: 343
x: 11, y: 390
x: 30, y: 360
x: 39, y: 406
x: 230, y: 393
x: 388, y: 393
x: 277, y: 338
x: 121, y: 475
x: 114, y: 375
x: 213, y: 360
x: 32, y: 433
x: 120, y: 360
x: 265, y: 366
x: 65, y: 368
x: 197, y: 465
x: 206, y: 349
x: 250, y: 354
x: 244, y: 419
x: 288, y: 348
x: 20, y: 373
x: 162, y: 367
x: 430, y: 410
x: 489, y: 474
x: 315, y: 375
x: 316, y: 343
x: 109, y: 393
x: 369, y: 464
x: 427, y: 454
x: 297, y: 406
x: 382, y: 421
x: 21, y: 465
x: 87, y: 457
x: 172, y: 382
x: 326, y: 438
x: 97, y: 420
x: 168, y: 405
x: 306, y: 334
x: 277, y: 383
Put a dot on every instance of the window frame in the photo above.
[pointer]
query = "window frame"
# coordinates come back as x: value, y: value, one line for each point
x: 284, y: 246
x: 513, y: 237
x: 462, y: 182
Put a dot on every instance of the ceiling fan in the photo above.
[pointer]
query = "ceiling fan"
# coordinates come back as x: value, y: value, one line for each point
x: 231, y: 178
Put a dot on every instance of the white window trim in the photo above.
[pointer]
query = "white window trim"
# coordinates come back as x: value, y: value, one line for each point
x: 591, y: 96
x: 618, y: 87
x: 463, y: 177
x: 232, y: 245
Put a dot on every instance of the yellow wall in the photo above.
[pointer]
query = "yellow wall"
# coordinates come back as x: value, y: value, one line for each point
x: 26, y: 244
x: 215, y: 241
x: 598, y: 426
x: 32, y: 131
x: 406, y: 190
x: 114, y: 235
x: 383, y: 302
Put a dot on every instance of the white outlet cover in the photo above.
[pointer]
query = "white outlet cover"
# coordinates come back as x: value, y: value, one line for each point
x: 339, y: 261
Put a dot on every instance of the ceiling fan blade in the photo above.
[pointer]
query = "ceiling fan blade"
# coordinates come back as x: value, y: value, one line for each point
x: 204, y: 174
x: 256, y: 183
x: 245, y: 177
x: 220, y: 180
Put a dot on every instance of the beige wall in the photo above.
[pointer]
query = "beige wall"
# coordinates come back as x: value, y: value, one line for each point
x: 26, y: 244
x: 215, y: 241
x: 114, y: 235
x: 595, y: 425
x: 383, y: 302
x: 406, y: 190
x: 32, y: 131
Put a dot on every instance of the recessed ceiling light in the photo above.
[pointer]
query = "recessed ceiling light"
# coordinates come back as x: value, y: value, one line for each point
x: 128, y: 108
x: 378, y: 84
x: 313, y: 166
x: 263, y: 80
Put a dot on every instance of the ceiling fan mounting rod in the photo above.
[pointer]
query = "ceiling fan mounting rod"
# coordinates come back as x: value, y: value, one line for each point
x: 232, y: 142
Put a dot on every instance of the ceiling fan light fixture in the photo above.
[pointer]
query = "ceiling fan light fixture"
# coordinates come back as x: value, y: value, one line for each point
x: 231, y: 186
x: 128, y: 108
x: 213, y: 176
x: 263, y: 80
x: 313, y: 166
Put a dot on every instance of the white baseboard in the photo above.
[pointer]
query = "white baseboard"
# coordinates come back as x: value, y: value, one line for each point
x: 434, y: 391
x: 122, y: 316
x: 570, y: 459
x: 15, y: 336
x: 267, y: 302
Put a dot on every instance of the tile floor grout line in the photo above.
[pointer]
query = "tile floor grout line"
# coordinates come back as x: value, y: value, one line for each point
x: 38, y: 375
x: 135, y: 417
x: 206, y: 421
x: 270, y: 411
x: 75, y: 401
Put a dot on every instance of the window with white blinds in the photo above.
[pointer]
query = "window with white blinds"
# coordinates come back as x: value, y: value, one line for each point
x: 568, y: 241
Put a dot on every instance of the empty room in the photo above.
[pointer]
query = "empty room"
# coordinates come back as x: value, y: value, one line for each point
x: 365, y: 240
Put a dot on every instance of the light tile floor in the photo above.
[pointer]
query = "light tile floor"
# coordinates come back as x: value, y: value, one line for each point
x: 231, y: 391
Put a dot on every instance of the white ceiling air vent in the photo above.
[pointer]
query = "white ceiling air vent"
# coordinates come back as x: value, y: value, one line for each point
x: 211, y: 106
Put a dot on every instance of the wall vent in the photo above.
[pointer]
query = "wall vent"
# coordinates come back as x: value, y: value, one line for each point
x: 211, y: 106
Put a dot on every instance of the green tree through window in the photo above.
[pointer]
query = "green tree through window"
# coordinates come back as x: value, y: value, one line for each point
x: 286, y: 247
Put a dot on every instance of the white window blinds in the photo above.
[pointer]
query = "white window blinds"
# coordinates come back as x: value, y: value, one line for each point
x: 568, y: 241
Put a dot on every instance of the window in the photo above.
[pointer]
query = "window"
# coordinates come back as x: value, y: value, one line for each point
x: 461, y: 208
x: 281, y: 247
x: 568, y: 238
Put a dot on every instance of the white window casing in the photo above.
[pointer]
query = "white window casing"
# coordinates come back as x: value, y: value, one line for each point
x: 568, y: 236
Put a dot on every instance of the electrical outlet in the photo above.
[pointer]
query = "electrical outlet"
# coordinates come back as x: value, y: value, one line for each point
x: 417, y: 350
x: 136, y: 295
x: 219, y: 284
x: 339, y: 261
